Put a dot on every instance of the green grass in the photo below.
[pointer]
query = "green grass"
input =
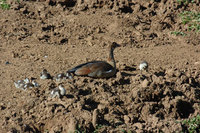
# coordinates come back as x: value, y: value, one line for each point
x: 177, y: 33
x: 192, y: 125
x: 97, y: 128
x: 79, y: 130
x: 4, y: 5
x: 191, y: 20
x: 124, y: 131
x: 185, y: 2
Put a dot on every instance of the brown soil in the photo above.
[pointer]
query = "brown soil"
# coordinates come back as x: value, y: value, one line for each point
x: 58, y: 35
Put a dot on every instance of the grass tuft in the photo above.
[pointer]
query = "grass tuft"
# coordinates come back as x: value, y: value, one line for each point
x: 178, y: 33
x: 185, y: 2
x: 4, y: 5
x: 191, y: 19
x: 192, y: 125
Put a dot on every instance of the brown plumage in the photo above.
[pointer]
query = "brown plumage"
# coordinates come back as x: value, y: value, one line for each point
x: 97, y: 69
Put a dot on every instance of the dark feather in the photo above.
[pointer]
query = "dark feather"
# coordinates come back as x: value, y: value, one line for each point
x: 106, y: 66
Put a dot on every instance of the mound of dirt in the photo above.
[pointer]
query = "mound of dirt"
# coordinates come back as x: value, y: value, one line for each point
x: 57, y: 35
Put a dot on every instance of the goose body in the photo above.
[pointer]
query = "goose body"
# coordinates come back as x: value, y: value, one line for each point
x: 97, y: 69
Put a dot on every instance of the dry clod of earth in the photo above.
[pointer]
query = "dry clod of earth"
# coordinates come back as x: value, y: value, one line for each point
x: 59, y: 34
x: 145, y: 83
x: 72, y: 126
x: 95, y: 118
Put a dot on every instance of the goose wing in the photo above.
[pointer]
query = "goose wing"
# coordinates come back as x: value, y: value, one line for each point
x: 91, y: 67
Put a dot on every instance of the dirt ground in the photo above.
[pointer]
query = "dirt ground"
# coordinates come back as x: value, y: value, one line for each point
x: 58, y: 35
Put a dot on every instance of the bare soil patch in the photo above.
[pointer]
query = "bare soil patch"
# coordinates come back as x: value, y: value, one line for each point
x: 58, y: 35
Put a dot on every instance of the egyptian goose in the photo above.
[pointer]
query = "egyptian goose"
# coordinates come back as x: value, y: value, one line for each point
x: 97, y: 69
